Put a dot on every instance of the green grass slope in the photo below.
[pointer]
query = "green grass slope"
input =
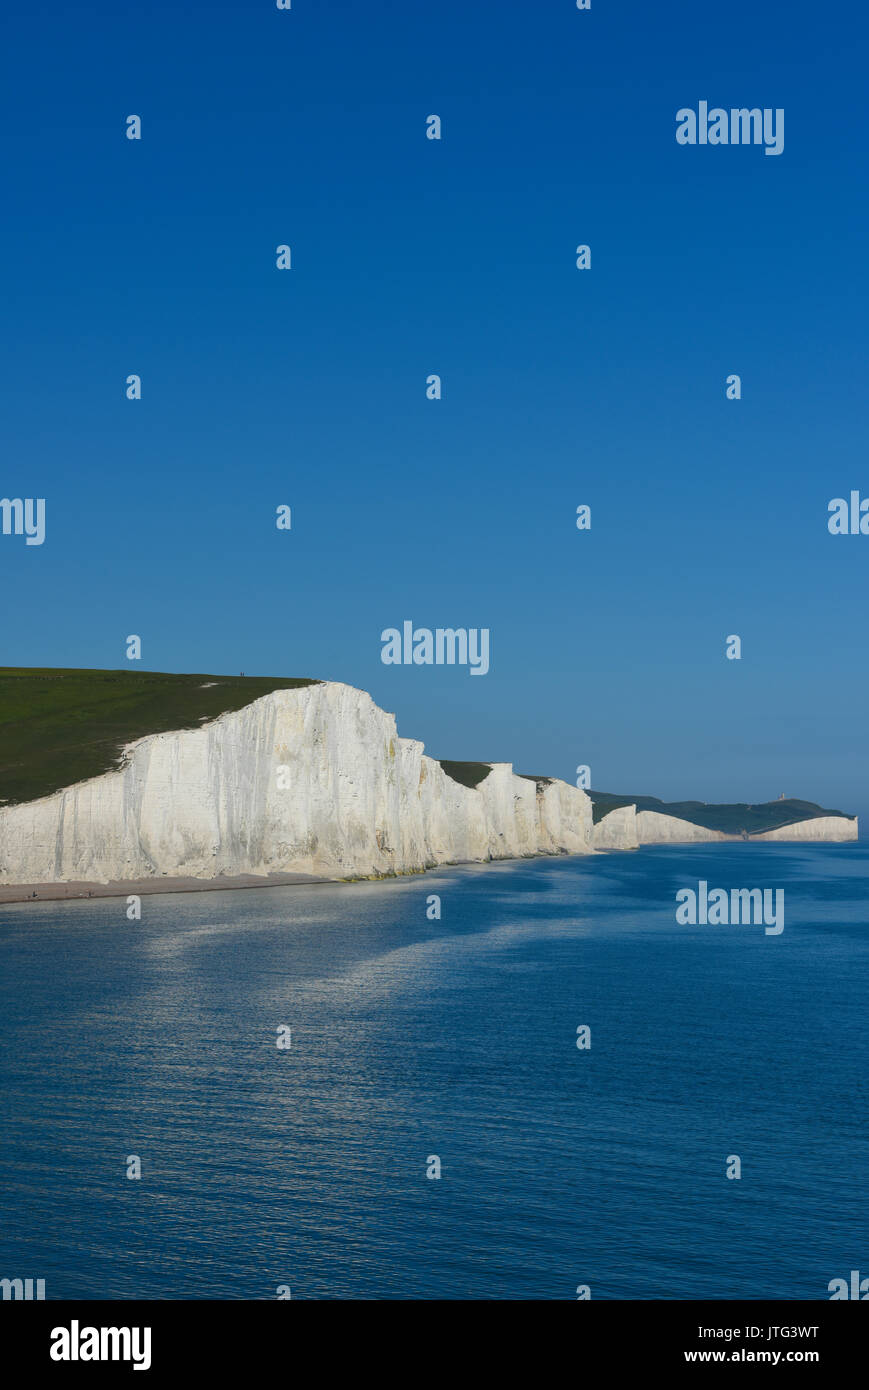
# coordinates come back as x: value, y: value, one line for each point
x: 58, y: 727
x: 730, y: 819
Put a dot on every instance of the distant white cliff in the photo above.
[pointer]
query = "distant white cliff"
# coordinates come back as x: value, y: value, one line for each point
x: 626, y: 828
x: 656, y: 829
x: 617, y: 829
x: 818, y: 828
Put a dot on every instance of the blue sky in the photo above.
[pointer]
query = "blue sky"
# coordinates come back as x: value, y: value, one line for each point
x: 560, y: 387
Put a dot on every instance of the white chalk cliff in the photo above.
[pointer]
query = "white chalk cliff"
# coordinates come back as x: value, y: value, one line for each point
x: 313, y: 780
x: 656, y: 829
x: 617, y: 829
x: 818, y: 828
x: 625, y: 828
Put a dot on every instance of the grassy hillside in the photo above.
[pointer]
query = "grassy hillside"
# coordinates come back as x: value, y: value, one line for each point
x: 731, y: 820
x: 60, y: 727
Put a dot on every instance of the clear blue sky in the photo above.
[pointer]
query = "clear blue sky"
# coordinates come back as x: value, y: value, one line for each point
x: 560, y: 387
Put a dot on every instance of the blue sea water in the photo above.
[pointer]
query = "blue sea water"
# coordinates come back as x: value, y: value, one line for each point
x: 561, y: 1167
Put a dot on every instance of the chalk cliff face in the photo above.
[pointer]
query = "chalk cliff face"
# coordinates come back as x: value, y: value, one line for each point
x: 818, y: 828
x: 617, y: 829
x: 312, y: 780
x: 655, y: 829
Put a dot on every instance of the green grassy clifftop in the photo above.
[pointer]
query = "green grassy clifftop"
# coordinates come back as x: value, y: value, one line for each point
x: 63, y: 726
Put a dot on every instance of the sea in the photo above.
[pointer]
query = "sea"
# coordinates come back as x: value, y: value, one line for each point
x: 518, y: 1080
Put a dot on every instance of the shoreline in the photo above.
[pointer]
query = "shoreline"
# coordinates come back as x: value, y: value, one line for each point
x: 82, y: 890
